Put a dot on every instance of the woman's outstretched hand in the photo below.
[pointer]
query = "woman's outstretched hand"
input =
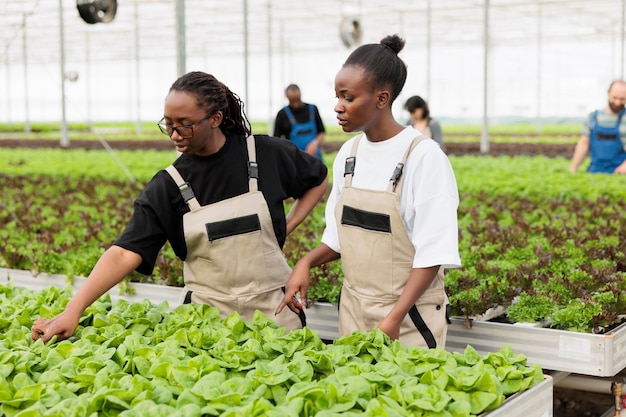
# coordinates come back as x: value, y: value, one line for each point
x: 62, y: 326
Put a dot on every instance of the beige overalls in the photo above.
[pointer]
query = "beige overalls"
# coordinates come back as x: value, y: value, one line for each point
x: 233, y: 259
x: 377, y: 259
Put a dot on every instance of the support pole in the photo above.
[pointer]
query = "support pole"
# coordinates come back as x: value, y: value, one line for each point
x: 65, y: 141
x: 181, y: 48
x: 27, y: 128
x: 283, y: 64
x: 245, y: 53
x: 428, y: 46
x: 623, y: 33
x: 7, y: 64
x: 484, y: 137
x: 538, y: 125
x: 88, y: 80
x: 270, y: 70
x: 138, y: 127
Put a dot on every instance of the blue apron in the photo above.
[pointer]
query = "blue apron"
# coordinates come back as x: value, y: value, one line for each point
x: 303, y: 133
x: 605, y: 146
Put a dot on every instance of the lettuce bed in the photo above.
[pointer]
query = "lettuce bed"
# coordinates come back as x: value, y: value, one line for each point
x: 138, y: 359
x: 544, y: 244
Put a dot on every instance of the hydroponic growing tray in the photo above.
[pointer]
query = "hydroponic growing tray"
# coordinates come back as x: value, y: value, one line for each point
x: 152, y: 292
x: 581, y: 353
x: 535, y: 402
x: 559, y: 350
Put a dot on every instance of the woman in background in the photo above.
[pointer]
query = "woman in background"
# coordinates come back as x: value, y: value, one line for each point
x: 421, y: 120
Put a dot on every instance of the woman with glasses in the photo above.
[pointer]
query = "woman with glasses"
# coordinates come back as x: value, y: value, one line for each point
x: 220, y: 205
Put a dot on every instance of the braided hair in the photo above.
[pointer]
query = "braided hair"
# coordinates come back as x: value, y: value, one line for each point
x: 381, y: 63
x: 213, y: 95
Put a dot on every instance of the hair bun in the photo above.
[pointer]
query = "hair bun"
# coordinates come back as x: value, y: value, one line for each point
x: 393, y: 42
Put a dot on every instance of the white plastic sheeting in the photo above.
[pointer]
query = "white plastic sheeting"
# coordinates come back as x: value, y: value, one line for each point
x: 546, y: 57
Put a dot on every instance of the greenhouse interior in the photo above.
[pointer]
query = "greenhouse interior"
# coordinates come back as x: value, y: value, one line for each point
x: 147, y: 144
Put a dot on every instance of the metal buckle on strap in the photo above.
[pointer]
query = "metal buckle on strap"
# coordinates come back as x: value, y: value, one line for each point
x: 186, y: 191
x: 397, y: 173
x: 350, y: 163
x: 253, y: 170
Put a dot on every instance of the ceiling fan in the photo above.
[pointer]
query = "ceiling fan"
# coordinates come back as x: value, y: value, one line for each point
x: 97, y: 11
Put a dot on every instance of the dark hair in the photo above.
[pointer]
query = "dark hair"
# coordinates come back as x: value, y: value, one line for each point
x: 381, y: 63
x: 416, y: 102
x: 213, y: 96
x: 292, y: 87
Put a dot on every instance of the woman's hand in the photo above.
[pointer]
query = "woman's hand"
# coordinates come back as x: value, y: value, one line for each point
x: 111, y: 268
x: 298, y: 282
x: 62, y: 326
x: 299, y: 279
x: 391, y: 327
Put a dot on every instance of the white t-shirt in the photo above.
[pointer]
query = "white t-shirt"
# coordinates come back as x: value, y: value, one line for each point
x: 428, y: 200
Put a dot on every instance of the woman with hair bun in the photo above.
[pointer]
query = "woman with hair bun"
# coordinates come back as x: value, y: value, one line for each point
x: 391, y: 215
x: 220, y: 205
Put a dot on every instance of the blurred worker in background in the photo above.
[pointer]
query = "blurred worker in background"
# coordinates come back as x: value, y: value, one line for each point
x: 603, y: 136
x: 220, y: 206
x: 300, y: 123
x: 421, y: 120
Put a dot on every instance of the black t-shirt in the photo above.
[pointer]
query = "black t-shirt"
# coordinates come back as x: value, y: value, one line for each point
x: 282, y: 124
x: 284, y: 172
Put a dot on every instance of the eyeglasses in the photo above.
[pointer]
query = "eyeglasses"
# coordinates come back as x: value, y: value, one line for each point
x: 184, y: 131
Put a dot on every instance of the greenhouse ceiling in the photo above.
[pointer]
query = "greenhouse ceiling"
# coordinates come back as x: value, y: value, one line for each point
x: 146, y: 29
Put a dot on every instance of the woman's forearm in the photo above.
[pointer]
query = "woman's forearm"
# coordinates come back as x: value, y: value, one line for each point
x: 319, y: 256
x: 416, y: 286
x: 115, y: 264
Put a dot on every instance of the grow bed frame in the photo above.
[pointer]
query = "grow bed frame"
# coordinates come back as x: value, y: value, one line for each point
x: 535, y: 402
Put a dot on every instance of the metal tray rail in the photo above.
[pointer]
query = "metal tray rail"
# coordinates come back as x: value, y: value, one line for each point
x: 559, y: 350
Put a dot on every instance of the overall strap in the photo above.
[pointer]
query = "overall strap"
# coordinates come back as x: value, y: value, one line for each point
x: 594, y: 120
x: 351, y: 162
x: 253, y: 167
x: 619, y: 118
x: 290, y: 116
x: 396, y: 178
x: 183, y: 186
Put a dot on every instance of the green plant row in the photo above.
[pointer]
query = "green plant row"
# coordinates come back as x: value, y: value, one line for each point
x: 138, y: 359
x: 559, y: 262
x: 59, y: 224
x: 572, y: 128
x: 523, y: 176
x: 61, y: 163
x: 82, y: 131
x: 262, y: 127
x: 525, y: 139
x: 533, y: 237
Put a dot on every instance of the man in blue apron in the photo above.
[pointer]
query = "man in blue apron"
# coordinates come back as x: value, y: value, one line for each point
x: 300, y: 123
x: 604, y: 136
